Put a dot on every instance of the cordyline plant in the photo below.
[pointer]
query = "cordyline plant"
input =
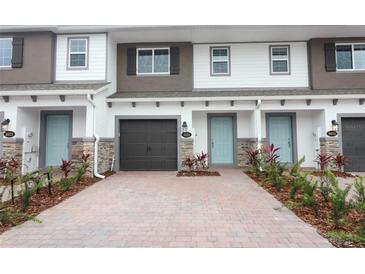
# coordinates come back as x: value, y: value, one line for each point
x: 66, y: 182
x: 253, y: 160
x: 189, y: 162
x: 81, y: 171
x: 201, y: 160
x: 340, y: 161
x: 11, y: 167
x: 270, y: 154
x: 323, y: 159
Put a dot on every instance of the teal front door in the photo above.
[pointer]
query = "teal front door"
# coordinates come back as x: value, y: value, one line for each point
x: 281, y: 135
x: 221, y: 140
x: 57, y: 139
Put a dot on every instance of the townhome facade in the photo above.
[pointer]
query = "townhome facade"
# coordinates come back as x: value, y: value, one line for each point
x: 146, y: 98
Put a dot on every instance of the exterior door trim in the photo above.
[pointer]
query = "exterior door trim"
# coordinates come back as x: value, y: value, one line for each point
x: 234, y: 121
x: 293, y: 116
x: 42, y: 135
x: 143, y: 117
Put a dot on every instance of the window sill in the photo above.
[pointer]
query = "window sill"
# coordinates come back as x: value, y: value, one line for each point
x: 153, y: 74
x: 6, y: 68
x: 220, y: 75
x: 351, y: 71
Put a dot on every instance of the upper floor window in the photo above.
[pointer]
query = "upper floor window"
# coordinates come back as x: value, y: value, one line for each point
x: 6, y: 50
x: 350, y: 57
x: 153, y: 61
x: 77, y: 53
x: 279, y: 58
x: 220, y: 61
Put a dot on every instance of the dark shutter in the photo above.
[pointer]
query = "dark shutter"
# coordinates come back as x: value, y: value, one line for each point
x: 174, y: 60
x: 17, y: 58
x: 131, y: 61
x: 330, y: 56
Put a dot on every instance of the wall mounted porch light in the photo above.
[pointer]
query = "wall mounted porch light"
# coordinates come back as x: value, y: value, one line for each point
x: 185, y: 133
x: 5, y: 125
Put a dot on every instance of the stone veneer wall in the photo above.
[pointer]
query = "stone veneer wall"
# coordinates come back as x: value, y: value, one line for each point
x: 244, y: 144
x: 330, y: 145
x: 83, y: 145
x: 105, y: 154
x: 13, y: 148
x: 186, y: 149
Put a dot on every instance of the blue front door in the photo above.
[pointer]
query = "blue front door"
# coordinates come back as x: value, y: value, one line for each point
x: 221, y: 140
x: 281, y: 135
x: 57, y: 139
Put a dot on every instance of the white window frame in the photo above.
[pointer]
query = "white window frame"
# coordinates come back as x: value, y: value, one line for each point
x: 227, y: 48
x: 352, y: 56
x: 153, y: 61
x: 86, y: 52
x: 11, y: 52
x: 287, y: 59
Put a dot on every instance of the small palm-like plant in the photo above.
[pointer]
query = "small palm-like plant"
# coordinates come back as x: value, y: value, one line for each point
x: 340, y: 161
x: 360, y: 200
x: 297, y: 183
x: 327, y: 181
x: 309, y: 200
x: 323, y: 159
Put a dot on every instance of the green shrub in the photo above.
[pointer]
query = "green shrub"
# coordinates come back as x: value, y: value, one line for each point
x: 360, y: 201
x: 25, y: 196
x: 297, y: 183
x: 327, y: 181
x: 66, y: 183
x: 340, y: 206
x: 309, y: 189
x: 274, y: 175
x: 295, y: 170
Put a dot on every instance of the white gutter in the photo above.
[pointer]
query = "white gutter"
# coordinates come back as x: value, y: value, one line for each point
x: 97, y: 138
x: 47, y: 92
x: 237, y: 98
x: 258, y: 124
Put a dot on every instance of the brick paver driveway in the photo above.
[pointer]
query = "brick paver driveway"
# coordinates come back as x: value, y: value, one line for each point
x: 157, y: 209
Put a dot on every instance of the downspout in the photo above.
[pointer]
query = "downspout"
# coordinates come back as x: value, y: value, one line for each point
x: 97, y: 138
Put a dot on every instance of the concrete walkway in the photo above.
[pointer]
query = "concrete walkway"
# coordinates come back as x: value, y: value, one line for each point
x: 157, y: 209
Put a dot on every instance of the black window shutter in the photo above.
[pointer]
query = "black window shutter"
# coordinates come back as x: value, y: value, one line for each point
x: 17, y: 57
x: 174, y: 60
x: 131, y: 61
x: 330, y: 56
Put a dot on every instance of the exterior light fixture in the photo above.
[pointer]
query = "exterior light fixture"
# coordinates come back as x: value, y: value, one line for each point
x: 334, y: 125
x: 185, y: 133
x: 333, y: 132
x: 5, y: 125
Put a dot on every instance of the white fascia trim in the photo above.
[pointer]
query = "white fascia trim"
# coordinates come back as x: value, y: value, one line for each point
x: 48, y: 92
x: 235, y: 98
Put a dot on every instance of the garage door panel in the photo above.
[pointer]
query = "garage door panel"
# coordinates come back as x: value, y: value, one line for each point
x: 148, y: 144
x: 353, y: 142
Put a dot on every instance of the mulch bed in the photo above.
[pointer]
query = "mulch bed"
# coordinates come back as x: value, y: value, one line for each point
x: 41, y: 201
x: 322, y: 221
x: 335, y: 172
x: 187, y: 173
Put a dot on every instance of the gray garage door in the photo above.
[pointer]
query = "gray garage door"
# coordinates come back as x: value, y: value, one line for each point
x: 353, y: 142
x: 148, y: 144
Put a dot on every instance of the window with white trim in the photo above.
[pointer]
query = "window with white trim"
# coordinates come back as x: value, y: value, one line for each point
x: 6, y: 51
x: 279, y: 58
x: 153, y: 61
x: 220, y: 61
x: 350, y: 57
x: 77, y: 55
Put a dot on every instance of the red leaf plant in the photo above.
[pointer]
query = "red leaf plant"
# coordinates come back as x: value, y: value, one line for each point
x: 253, y: 157
x: 340, y: 161
x: 85, y: 157
x: 323, y: 159
x: 189, y: 162
x: 201, y: 159
x: 270, y: 154
x: 66, y: 168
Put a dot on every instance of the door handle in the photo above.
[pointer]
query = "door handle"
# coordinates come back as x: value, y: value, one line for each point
x: 212, y: 144
x: 148, y: 148
x: 289, y: 142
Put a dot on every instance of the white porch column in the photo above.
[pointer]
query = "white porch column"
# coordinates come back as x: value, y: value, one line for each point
x: 258, y: 131
x: 89, y: 121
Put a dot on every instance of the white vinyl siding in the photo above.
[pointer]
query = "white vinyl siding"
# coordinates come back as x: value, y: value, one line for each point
x: 96, y: 59
x: 250, y: 67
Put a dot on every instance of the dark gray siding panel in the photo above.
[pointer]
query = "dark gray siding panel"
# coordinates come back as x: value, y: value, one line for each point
x: 37, y: 62
x: 322, y: 79
x: 183, y: 81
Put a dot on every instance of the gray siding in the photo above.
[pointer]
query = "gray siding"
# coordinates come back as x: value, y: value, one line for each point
x: 180, y: 82
x: 38, y: 60
x: 320, y: 78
